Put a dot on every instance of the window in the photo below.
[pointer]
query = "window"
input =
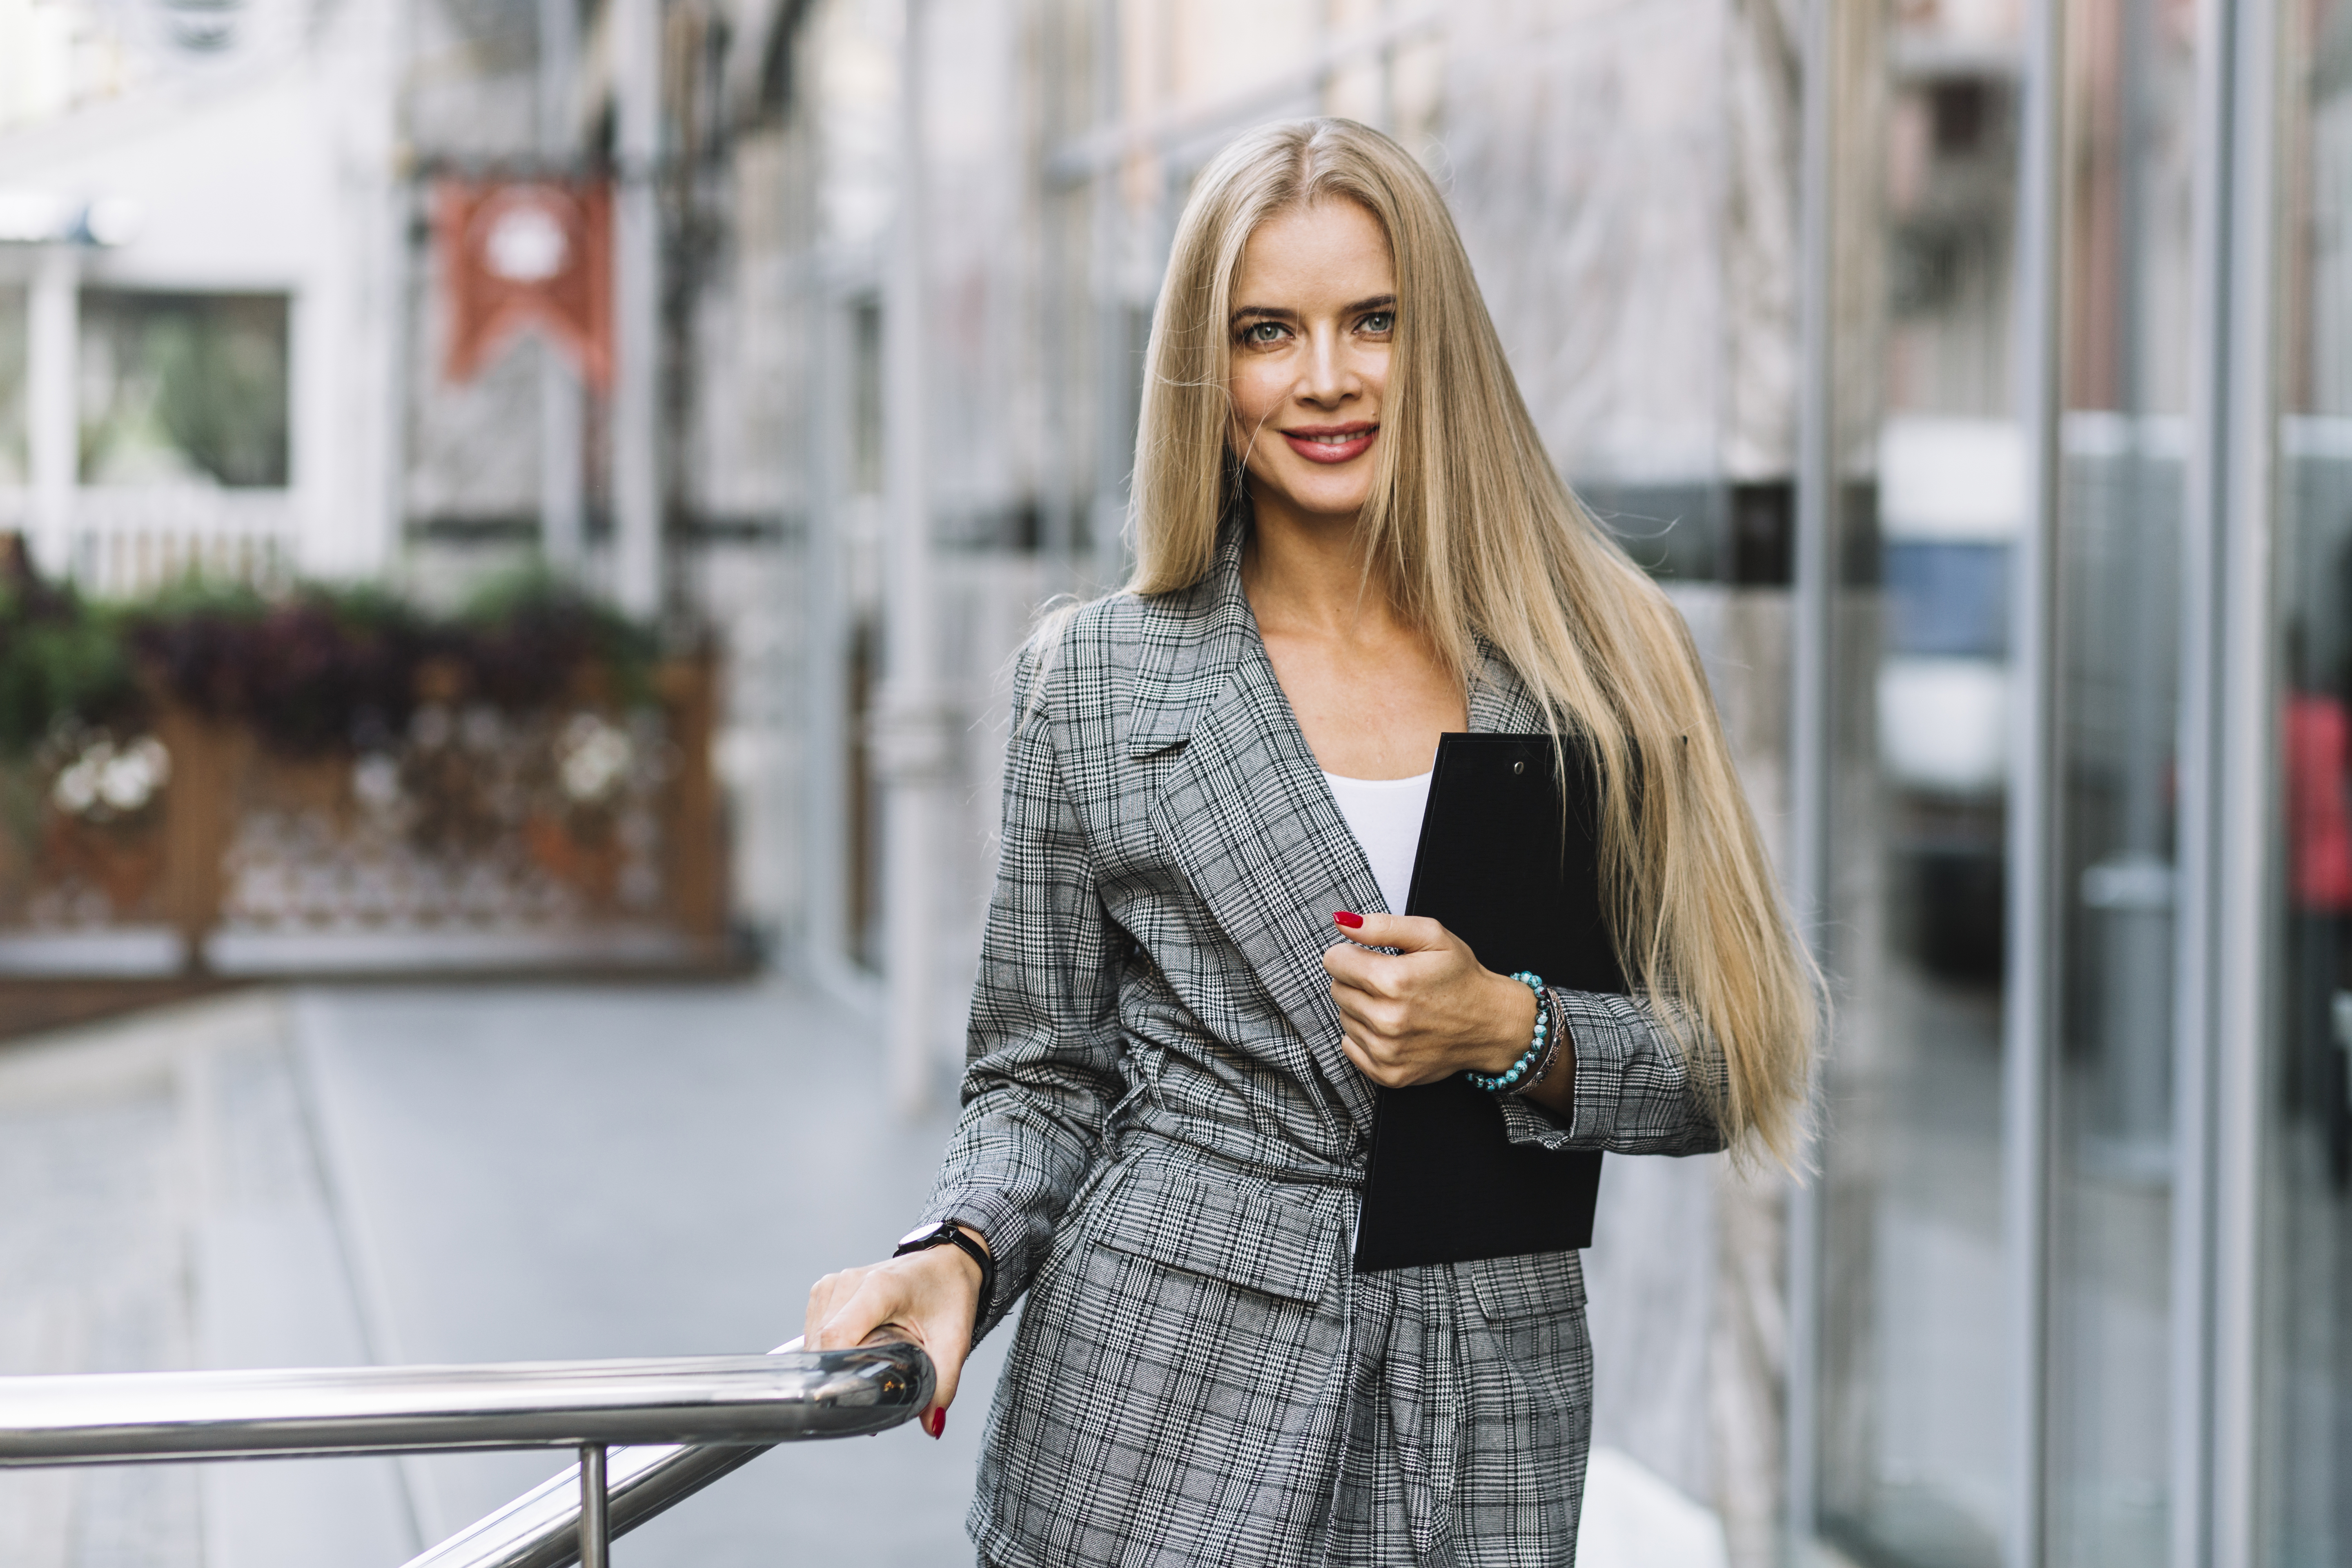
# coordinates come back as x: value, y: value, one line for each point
x: 183, y: 388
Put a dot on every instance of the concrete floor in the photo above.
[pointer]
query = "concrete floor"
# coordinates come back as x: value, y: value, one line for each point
x: 453, y: 1174
x: 458, y: 1173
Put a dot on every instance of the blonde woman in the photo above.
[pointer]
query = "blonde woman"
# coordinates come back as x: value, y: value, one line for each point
x: 1350, y: 543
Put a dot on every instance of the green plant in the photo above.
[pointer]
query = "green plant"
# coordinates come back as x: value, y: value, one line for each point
x: 327, y: 667
x: 63, y: 663
x: 318, y: 668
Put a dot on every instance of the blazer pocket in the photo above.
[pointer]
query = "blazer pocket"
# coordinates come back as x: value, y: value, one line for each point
x: 1531, y: 1285
x: 1242, y: 1238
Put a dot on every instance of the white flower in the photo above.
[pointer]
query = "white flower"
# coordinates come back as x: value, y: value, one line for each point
x: 132, y: 775
x: 480, y: 729
x: 104, y: 779
x: 592, y: 758
x: 76, y: 790
x: 375, y: 781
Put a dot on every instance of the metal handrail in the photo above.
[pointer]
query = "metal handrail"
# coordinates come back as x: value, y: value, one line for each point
x: 541, y: 1528
x: 687, y: 1420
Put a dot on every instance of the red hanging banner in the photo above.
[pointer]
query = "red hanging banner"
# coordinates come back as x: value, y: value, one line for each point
x: 524, y: 254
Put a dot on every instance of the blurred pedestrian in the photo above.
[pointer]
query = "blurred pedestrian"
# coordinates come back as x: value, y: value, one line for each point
x: 1350, y: 542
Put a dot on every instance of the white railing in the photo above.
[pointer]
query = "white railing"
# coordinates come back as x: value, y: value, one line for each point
x: 123, y: 542
x: 130, y: 541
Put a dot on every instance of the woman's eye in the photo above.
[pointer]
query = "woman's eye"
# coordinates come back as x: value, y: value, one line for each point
x: 1262, y: 332
x: 1379, y: 322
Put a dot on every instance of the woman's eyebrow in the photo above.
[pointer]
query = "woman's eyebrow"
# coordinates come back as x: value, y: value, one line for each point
x: 1285, y: 313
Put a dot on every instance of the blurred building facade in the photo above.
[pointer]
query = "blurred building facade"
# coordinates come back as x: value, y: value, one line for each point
x: 1974, y: 372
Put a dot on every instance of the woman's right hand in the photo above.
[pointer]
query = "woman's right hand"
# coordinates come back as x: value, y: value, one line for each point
x: 927, y: 1297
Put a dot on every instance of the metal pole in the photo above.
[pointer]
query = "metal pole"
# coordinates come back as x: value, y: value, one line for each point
x: 1813, y: 605
x: 2029, y: 1006
x: 131, y: 1417
x: 2195, y: 1044
x: 595, y: 1527
x: 2247, y: 939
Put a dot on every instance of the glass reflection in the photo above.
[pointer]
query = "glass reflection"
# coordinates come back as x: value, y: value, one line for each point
x: 2130, y: 80
x: 2307, y: 1441
x: 1912, y: 1440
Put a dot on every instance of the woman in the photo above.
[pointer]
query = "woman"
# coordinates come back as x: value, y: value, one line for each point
x: 1350, y: 543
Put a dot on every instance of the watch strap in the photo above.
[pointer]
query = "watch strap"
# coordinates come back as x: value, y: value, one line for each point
x: 951, y: 1235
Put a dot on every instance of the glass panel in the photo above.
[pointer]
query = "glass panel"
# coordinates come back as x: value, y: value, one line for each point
x: 2305, y: 1451
x: 182, y: 388
x: 2130, y: 84
x: 14, y: 461
x: 1914, y: 1451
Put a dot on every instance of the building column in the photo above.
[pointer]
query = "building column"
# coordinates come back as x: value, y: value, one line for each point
x: 561, y: 505
x: 637, y: 292
x: 1114, y: 414
x: 910, y: 738
x: 561, y: 502
x: 52, y: 350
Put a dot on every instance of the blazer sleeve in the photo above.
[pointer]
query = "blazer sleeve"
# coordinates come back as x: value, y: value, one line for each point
x: 1634, y: 1089
x: 1041, y: 1054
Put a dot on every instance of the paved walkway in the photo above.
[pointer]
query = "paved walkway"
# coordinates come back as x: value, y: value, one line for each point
x: 460, y: 1173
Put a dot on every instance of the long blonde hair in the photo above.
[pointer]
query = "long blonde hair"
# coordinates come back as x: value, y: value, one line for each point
x: 1477, y: 536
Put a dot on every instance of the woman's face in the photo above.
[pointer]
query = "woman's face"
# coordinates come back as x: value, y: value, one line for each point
x: 1314, y: 318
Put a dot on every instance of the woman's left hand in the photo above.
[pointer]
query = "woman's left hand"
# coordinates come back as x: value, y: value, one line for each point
x: 1427, y: 1011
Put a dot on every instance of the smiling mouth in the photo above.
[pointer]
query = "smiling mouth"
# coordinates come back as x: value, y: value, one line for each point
x: 1332, y: 444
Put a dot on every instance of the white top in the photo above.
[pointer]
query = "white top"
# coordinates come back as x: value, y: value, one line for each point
x: 1385, y: 816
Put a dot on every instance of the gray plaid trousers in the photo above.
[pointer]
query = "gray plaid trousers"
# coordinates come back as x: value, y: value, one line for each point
x: 1163, y: 1144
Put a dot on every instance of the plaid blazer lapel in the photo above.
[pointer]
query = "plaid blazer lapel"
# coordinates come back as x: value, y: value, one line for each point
x: 1244, y: 814
x: 1500, y: 703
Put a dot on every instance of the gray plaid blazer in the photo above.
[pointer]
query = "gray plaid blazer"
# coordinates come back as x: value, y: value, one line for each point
x: 1163, y: 1145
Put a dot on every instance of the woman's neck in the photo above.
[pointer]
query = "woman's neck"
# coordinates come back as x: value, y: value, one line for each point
x: 1370, y: 695
x: 1308, y: 575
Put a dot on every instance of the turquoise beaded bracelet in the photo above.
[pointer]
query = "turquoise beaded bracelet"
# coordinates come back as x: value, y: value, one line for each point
x: 1504, y: 1081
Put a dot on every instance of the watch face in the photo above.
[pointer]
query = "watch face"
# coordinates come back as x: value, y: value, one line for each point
x: 918, y: 1233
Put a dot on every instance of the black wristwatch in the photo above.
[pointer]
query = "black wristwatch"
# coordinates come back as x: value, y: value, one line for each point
x: 953, y: 1235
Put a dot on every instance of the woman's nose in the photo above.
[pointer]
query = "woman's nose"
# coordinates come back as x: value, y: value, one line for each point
x: 1326, y: 378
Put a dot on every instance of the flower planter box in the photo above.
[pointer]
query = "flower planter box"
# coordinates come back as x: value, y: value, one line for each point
x: 578, y: 832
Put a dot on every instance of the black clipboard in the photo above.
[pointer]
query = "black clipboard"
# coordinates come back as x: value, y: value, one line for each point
x: 1507, y: 870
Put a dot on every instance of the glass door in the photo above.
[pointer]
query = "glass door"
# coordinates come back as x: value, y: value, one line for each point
x: 1931, y: 493
x: 1918, y: 1423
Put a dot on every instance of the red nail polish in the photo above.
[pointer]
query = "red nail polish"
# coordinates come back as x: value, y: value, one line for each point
x: 1348, y: 917
x: 935, y: 1422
